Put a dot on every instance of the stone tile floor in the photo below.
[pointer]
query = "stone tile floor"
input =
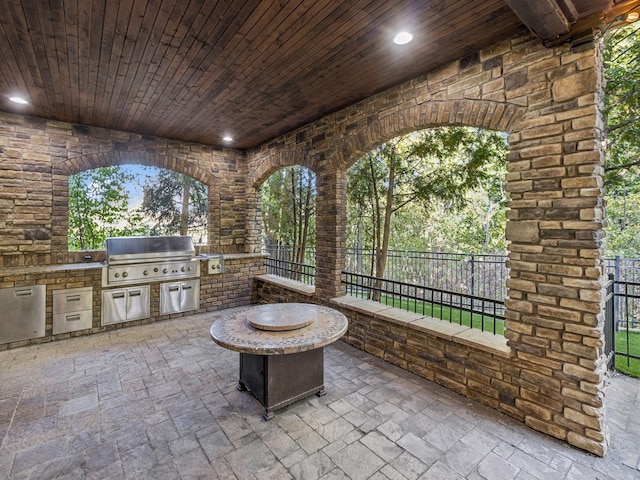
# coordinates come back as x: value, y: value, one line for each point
x: 160, y: 401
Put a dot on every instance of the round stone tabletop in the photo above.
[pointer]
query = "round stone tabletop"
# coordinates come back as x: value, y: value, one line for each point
x: 233, y: 330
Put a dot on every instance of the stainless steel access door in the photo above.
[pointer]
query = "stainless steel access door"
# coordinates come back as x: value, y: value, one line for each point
x: 23, y: 313
x: 176, y: 297
x: 125, y: 304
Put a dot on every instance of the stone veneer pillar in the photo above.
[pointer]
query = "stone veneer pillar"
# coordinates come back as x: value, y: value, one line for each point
x: 555, y: 289
x: 331, y: 218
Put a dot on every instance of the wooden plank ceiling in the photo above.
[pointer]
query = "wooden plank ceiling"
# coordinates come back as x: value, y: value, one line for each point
x: 197, y: 70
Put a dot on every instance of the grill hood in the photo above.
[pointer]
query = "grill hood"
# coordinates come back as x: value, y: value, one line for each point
x: 128, y: 250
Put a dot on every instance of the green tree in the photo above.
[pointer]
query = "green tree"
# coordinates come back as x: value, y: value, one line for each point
x: 622, y: 108
x: 433, y: 167
x: 175, y: 204
x: 98, y: 208
x: 288, y: 210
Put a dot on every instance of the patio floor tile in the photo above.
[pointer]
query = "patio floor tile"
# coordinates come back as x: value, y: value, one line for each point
x: 160, y: 401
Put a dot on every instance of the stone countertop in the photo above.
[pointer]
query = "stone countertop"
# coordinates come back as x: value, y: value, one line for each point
x: 231, y: 329
x: 62, y: 267
x: 34, y: 269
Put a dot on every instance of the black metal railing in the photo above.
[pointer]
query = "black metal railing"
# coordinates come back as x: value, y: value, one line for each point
x: 469, y: 283
x: 476, y: 312
x: 300, y: 272
x: 623, y: 333
x: 609, y: 323
x: 472, y: 274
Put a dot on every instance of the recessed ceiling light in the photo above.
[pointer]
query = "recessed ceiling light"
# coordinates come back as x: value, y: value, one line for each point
x: 402, y: 38
x: 19, y: 100
x: 227, y: 138
x: 632, y: 17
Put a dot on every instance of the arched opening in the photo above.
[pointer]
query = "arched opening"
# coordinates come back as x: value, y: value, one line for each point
x: 288, y: 198
x: 130, y: 200
x: 426, y: 217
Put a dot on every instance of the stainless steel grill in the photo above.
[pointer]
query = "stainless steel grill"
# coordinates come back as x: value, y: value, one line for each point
x: 142, y: 259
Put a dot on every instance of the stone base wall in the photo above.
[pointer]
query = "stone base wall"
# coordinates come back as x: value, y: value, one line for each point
x: 272, y: 289
x: 473, y: 371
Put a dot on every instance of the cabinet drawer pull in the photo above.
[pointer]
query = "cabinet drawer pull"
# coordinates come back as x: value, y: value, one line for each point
x: 117, y: 295
x: 24, y: 293
x: 73, y: 298
x: 174, y: 288
x: 73, y: 318
x: 137, y: 293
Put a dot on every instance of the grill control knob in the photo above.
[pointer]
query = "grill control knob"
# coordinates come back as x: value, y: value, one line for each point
x: 125, y: 274
x: 116, y: 275
x: 182, y: 269
x: 146, y: 272
x: 165, y: 270
x: 155, y: 269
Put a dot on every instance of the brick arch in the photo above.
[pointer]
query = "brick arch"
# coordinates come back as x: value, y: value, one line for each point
x: 272, y: 162
x: 108, y: 159
x: 485, y: 114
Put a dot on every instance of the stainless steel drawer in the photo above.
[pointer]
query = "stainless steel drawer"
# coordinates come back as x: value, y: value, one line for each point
x: 72, y: 300
x: 72, y: 321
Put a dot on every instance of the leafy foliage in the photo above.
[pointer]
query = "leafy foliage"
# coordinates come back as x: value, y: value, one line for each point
x: 622, y: 173
x: 288, y: 209
x: 175, y: 203
x: 100, y: 205
x: 98, y: 208
x: 622, y: 107
x: 442, y: 189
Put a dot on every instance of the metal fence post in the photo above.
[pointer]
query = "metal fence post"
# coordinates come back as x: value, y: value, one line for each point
x: 473, y: 274
x: 616, y: 278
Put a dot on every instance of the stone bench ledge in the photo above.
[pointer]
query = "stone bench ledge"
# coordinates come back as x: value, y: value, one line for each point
x: 299, y: 287
x: 471, y: 337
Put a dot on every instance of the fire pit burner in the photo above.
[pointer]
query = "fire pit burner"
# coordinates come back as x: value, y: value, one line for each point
x: 282, y: 317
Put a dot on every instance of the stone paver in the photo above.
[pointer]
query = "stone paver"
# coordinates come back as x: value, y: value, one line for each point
x: 160, y: 401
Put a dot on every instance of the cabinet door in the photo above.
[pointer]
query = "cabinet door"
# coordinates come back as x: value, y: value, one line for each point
x: 138, y: 302
x: 114, y: 306
x: 170, y: 294
x: 190, y: 296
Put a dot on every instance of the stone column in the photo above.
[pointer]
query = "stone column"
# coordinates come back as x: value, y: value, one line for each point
x: 253, y: 221
x: 331, y: 219
x: 555, y: 291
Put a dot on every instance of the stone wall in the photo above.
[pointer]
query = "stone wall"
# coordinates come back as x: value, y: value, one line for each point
x: 548, y: 102
x: 37, y: 156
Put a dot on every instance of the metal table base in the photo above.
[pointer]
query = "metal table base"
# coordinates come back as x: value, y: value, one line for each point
x: 280, y: 380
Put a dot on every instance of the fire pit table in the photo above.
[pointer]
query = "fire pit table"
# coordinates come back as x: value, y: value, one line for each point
x: 281, y: 349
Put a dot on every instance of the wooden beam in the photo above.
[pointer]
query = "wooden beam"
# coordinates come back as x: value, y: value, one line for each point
x: 544, y: 18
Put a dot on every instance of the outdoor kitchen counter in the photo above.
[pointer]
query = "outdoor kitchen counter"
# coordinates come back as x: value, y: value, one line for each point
x: 35, y: 269
x: 62, y: 267
x: 282, y: 360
